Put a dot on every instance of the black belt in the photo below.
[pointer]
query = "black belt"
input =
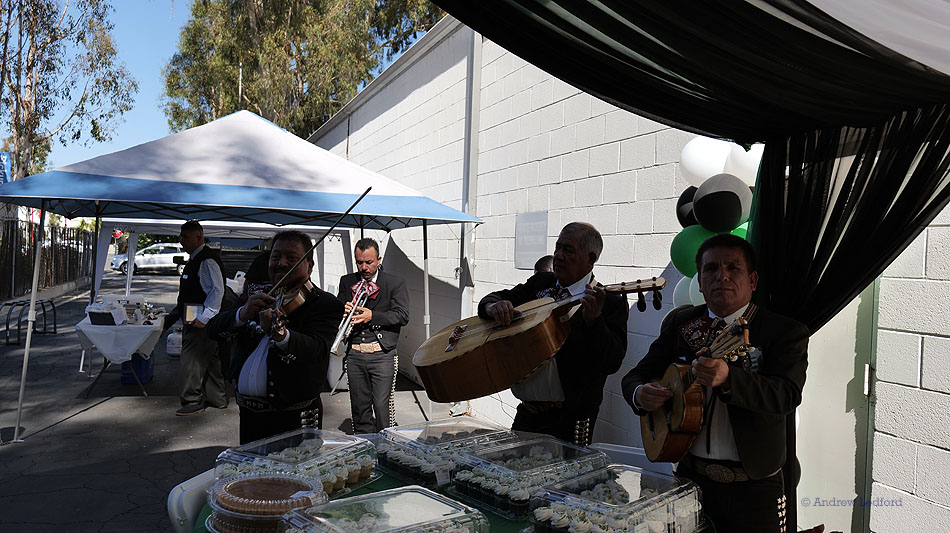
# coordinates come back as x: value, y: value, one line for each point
x: 716, y: 470
x: 539, y: 407
x: 262, y: 405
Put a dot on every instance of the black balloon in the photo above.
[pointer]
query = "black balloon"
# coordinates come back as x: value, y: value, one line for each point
x: 684, y: 207
x: 722, y: 202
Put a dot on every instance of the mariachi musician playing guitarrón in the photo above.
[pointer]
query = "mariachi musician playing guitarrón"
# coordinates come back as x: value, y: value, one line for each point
x: 737, y: 457
x: 563, y: 396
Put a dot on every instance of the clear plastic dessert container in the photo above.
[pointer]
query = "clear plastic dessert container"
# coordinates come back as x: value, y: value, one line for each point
x: 343, y: 463
x: 406, y: 509
x: 620, y: 497
x: 427, y: 453
x: 256, y: 502
x: 503, y: 478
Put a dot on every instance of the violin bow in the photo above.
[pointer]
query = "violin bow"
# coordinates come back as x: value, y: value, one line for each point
x: 317, y: 243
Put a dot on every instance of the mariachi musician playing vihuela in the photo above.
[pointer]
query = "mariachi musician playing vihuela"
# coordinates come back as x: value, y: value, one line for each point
x: 563, y: 396
x: 737, y: 455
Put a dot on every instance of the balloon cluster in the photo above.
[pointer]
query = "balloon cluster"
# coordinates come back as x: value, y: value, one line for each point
x: 721, y: 176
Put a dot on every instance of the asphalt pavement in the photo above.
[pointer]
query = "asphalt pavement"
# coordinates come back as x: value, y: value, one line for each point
x: 107, y: 462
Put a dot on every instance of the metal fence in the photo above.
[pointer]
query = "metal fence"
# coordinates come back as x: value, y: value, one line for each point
x: 67, y: 256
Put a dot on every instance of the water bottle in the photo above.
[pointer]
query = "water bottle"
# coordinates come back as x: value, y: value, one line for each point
x: 137, y: 316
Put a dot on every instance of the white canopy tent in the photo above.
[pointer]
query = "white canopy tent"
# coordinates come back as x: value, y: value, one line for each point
x: 240, y: 168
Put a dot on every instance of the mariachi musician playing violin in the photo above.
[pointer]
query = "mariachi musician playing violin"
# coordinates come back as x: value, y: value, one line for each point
x: 283, y: 343
x: 738, y: 455
x: 563, y: 396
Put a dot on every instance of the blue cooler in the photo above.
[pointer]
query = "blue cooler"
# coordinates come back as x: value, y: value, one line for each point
x: 142, y: 366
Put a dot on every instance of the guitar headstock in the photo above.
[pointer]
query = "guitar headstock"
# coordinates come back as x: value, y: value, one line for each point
x: 732, y: 342
x: 640, y: 287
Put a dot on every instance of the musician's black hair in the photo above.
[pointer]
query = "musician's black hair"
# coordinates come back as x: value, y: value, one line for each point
x: 726, y: 240
x: 545, y: 264
x: 294, y: 235
x: 366, y: 243
x: 192, y: 225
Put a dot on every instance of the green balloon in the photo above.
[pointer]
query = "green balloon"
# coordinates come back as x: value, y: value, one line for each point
x: 741, y: 231
x: 684, y: 247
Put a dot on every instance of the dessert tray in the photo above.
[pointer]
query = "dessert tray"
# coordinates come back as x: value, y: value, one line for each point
x: 255, y: 502
x: 427, y: 453
x: 618, y: 498
x: 405, y: 509
x: 505, y: 477
x: 341, y: 462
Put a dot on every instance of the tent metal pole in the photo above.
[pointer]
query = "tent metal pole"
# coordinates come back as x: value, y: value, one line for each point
x: 425, y: 286
x: 95, y: 256
x: 130, y: 261
x: 31, y: 319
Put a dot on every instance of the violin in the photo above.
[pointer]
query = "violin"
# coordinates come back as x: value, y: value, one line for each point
x: 286, y: 302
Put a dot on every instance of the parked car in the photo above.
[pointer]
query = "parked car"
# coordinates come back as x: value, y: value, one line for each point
x: 160, y: 256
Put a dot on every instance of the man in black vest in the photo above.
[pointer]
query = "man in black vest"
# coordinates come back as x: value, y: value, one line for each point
x: 200, y: 381
x: 737, y: 457
x: 371, y: 360
x: 562, y: 397
x: 280, y: 371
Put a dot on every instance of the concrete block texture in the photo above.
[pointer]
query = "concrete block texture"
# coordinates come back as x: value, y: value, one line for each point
x: 895, y: 462
x: 620, y: 188
x: 639, y: 152
x: 934, y: 364
x: 913, y: 414
x: 938, y: 253
x: 927, y: 297
x: 898, y: 357
x: 895, y: 511
x: 605, y: 159
x: 933, y: 474
x: 910, y: 263
x: 656, y: 183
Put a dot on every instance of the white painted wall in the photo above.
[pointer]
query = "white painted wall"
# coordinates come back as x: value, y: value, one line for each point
x: 911, y: 457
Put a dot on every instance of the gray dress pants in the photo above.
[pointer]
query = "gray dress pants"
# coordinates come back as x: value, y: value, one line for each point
x: 199, y: 373
x: 372, y: 379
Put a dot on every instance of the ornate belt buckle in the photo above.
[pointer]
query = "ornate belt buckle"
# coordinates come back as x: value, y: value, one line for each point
x: 720, y: 473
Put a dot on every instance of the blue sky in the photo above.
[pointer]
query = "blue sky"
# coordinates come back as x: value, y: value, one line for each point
x: 146, y: 35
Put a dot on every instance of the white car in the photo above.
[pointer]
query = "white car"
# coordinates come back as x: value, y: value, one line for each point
x: 160, y: 256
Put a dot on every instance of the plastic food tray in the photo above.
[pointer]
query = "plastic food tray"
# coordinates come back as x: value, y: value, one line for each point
x: 256, y: 502
x: 405, y: 509
x: 504, y: 478
x: 341, y: 462
x: 620, y: 497
x: 427, y: 453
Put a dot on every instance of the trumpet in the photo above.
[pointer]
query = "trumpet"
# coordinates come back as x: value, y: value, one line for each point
x: 346, y: 325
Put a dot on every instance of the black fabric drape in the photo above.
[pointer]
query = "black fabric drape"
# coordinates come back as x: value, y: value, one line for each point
x: 854, y: 198
x: 726, y: 69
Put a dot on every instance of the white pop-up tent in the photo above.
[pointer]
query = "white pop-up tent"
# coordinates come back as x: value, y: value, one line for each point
x: 237, y: 168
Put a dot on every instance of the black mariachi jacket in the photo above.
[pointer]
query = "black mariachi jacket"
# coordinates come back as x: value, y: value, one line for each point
x: 390, y: 310
x: 297, y: 374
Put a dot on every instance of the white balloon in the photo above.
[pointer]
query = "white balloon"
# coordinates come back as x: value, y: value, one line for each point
x: 681, y: 292
x: 703, y: 157
x: 744, y: 165
x: 694, y: 295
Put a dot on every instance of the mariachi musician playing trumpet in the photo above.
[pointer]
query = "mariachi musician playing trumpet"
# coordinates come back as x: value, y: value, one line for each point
x: 562, y: 397
x: 371, y: 360
x: 283, y: 341
x: 738, y: 455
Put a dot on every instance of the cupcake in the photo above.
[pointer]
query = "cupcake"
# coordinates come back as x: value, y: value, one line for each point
x: 542, y: 519
x: 366, y: 466
x: 329, y: 481
x: 352, y: 472
x: 341, y: 474
x: 518, y: 500
x: 560, y: 522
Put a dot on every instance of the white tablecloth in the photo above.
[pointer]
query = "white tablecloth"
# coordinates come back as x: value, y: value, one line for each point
x: 118, y: 343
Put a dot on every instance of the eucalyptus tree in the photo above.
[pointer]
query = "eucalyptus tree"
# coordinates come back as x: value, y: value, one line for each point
x: 294, y: 62
x: 61, y: 78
